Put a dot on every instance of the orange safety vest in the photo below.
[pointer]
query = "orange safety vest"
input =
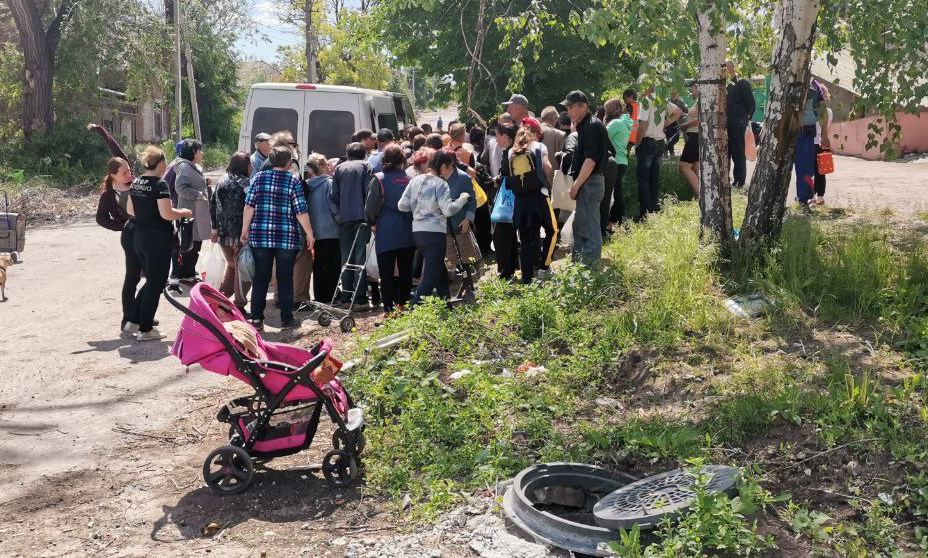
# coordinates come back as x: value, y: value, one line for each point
x: 635, y: 106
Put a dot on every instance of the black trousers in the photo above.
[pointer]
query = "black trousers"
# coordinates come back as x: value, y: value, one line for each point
x: 395, y: 289
x: 184, y: 266
x: 529, y: 215
x: 482, y: 230
x: 432, y: 246
x: 154, y: 250
x: 736, y: 154
x: 610, y: 175
x: 617, y: 213
x: 819, y: 178
x: 265, y: 258
x: 648, y: 154
x: 130, y: 283
x: 327, y: 262
x: 507, y: 249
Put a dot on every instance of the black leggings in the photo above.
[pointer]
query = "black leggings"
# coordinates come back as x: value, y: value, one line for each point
x: 327, y: 263
x: 617, y: 213
x: 482, y: 230
x: 395, y: 289
x: 507, y: 249
x: 154, y: 251
x: 130, y: 308
x: 530, y: 212
x: 184, y: 266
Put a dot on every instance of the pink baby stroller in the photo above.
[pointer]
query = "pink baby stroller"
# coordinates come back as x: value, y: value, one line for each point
x: 282, y: 416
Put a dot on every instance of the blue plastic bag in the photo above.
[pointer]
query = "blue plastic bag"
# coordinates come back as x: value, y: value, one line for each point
x: 503, y: 205
x: 246, y: 265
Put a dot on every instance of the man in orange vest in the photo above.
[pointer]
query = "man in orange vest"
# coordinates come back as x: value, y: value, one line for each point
x: 630, y: 97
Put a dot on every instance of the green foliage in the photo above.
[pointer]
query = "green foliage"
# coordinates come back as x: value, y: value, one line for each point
x: 354, y: 54
x: 531, y: 47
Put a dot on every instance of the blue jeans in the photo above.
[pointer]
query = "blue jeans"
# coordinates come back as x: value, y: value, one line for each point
x: 347, y: 233
x: 649, y: 175
x: 805, y: 164
x: 264, y: 263
x: 432, y: 246
x: 588, y: 235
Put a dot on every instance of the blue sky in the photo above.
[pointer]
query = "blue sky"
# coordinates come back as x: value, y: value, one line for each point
x: 271, y: 33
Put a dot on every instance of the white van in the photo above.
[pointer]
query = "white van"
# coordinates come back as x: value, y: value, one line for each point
x: 322, y: 118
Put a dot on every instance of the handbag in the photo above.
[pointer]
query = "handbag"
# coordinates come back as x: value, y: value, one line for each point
x: 184, y: 230
x: 479, y: 195
x: 504, y: 205
x: 825, y: 163
x: 750, y: 146
x: 560, y: 191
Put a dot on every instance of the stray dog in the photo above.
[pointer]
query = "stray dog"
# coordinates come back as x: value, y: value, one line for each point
x: 5, y: 262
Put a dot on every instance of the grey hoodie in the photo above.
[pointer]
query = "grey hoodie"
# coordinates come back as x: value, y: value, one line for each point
x: 428, y: 197
x: 320, y: 214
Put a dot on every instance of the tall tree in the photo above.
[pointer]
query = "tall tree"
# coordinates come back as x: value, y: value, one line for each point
x: 715, y: 188
x: 312, y: 43
x: 790, y: 75
x: 39, y: 42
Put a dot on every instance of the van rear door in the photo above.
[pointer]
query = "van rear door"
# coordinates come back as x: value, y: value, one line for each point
x: 332, y: 120
x: 273, y: 110
x: 385, y: 113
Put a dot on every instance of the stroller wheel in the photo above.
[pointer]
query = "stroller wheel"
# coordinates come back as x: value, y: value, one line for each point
x: 346, y: 324
x: 341, y: 441
x: 340, y: 468
x: 324, y: 319
x: 228, y: 470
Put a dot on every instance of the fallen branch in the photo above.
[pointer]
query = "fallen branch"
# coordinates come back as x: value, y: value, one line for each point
x: 826, y: 452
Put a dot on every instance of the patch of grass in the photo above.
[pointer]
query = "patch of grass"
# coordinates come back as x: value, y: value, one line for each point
x: 530, y: 365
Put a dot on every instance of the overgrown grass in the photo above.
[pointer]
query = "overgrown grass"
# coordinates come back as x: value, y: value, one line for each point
x: 480, y: 392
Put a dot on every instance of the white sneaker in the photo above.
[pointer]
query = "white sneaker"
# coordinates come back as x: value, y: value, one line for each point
x: 130, y: 328
x: 154, y: 335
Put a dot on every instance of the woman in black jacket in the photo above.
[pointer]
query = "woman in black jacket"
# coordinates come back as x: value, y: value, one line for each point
x: 112, y: 215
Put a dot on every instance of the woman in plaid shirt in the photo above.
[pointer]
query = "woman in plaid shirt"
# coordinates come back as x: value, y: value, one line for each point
x: 275, y: 209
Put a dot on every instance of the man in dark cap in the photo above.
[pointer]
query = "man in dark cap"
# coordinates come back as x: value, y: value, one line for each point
x: 517, y: 107
x: 589, y: 187
x: 262, y: 150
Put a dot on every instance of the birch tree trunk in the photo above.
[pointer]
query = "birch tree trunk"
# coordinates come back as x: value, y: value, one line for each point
x: 794, y: 22
x: 310, y: 36
x: 39, y: 46
x: 714, y: 184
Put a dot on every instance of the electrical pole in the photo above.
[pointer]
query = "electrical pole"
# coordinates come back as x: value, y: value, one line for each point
x: 192, y: 87
x: 178, y: 106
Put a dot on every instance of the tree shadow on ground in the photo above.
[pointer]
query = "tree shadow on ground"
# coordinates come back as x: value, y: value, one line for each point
x: 275, y: 496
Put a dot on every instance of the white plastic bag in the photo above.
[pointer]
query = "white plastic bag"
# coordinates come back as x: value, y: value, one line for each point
x: 567, y: 231
x: 370, y: 266
x: 215, y: 267
x: 560, y: 191
x: 246, y: 265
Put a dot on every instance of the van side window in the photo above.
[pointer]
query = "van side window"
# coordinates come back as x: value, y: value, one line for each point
x: 387, y: 121
x: 330, y: 131
x: 270, y: 120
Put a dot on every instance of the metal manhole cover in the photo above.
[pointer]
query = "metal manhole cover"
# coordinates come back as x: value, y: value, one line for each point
x: 646, y: 502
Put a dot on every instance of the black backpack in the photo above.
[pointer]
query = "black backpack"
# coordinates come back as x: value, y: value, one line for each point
x: 524, y: 176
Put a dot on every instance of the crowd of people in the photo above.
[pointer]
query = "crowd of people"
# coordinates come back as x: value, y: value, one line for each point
x: 432, y: 201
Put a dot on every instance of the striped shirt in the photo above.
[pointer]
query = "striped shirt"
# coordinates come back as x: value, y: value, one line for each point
x: 277, y: 197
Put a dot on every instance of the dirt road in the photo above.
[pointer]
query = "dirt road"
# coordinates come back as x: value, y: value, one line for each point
x: 103, y: 438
